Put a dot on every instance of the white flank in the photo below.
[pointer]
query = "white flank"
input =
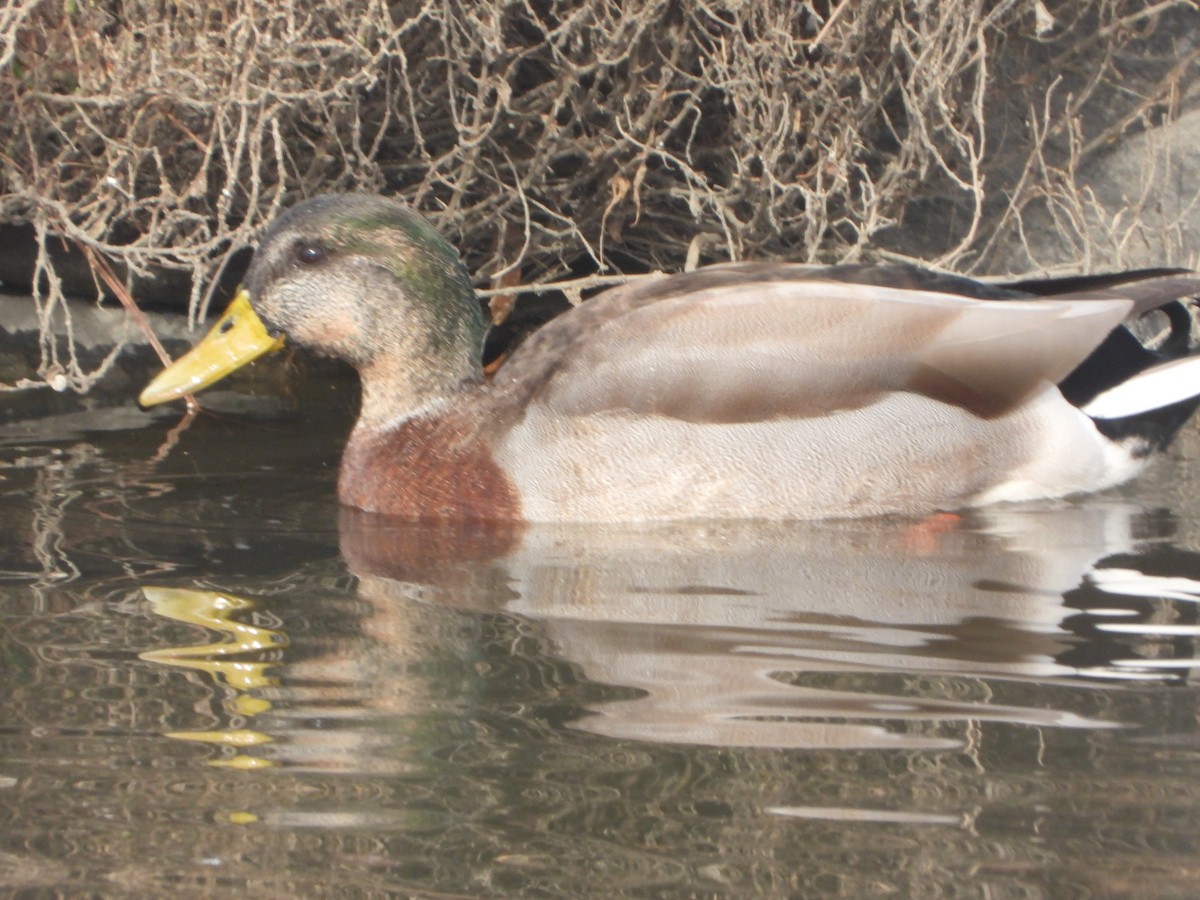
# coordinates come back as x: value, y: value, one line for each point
x: 1153, y: 389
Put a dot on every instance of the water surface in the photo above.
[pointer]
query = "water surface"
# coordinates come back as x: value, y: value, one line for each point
x: 214, y: 682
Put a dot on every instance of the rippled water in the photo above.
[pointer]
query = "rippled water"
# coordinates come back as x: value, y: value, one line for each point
x: 215, y: 682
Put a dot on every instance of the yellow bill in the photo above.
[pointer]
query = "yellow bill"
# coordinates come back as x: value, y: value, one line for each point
x: 239, y: 337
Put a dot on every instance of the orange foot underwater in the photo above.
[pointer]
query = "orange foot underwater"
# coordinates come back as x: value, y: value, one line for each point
x: 922, y: 538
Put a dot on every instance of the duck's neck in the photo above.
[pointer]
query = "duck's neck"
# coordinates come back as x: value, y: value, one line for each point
x: 395, y: 390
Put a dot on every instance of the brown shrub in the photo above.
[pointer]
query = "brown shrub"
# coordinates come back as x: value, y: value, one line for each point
x: 555, y: 137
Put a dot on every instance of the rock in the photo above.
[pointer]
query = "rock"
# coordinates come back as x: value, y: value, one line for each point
x: 1139, y: 207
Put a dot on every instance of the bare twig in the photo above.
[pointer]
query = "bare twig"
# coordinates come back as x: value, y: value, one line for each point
x: 608, y: 136
x: 101, y: 267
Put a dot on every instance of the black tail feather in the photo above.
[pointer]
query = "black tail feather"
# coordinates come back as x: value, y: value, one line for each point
x: 1155, y: 428
x: 1169, y: 294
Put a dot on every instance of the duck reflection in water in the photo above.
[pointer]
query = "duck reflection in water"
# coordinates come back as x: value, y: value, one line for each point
x: 801, y: 636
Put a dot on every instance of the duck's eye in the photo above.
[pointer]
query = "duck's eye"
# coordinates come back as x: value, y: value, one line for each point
x: 310, y: 253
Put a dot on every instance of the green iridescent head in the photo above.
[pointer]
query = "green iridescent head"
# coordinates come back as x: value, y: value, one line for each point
x: 355, y: 276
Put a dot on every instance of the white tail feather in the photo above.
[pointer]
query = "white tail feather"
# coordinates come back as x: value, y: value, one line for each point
x: 1132, y: 583
x: 1154, y: 388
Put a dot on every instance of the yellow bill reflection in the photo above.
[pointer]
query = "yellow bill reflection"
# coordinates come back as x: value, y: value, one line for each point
x: 225, y: 660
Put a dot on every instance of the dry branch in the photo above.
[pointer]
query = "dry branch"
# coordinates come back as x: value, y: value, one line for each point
x: 556, y: 139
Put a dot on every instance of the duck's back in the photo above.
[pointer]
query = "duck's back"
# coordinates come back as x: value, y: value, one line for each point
x: 796, y: 392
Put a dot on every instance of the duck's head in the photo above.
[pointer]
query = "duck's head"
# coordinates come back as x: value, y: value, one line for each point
x: 354, y: 276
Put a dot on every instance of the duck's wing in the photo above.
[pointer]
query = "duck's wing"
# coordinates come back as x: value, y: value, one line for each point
x: 737, y: 344
x: 1147, y: 288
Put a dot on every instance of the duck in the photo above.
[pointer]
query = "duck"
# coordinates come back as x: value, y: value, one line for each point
x: 744, y: 390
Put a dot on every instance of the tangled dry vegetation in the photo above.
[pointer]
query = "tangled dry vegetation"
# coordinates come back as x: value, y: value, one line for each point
x: 560, y: 138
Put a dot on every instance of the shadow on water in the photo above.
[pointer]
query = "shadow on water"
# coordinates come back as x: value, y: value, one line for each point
x: 214, y: 680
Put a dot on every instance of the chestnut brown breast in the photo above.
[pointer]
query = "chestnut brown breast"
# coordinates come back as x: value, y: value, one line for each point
x: 428, y: 468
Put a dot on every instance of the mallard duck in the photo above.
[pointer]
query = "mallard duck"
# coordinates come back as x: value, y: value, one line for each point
x: 743, y: 390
